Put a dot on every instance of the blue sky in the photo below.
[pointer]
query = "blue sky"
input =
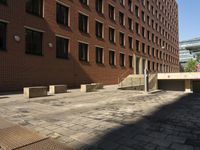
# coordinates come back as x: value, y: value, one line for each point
x: 189, y: 19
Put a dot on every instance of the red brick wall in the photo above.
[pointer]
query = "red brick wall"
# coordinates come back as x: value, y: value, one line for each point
x: 18, y: 69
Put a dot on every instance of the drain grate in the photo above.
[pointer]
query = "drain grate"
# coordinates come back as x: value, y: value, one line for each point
x: 47, y: 144
x: 16, y: 136
x: 5, y: 124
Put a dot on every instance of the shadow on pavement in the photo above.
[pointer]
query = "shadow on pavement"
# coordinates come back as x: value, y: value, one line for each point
x: 175, y: 126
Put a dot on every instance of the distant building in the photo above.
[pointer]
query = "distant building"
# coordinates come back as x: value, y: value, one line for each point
x: 188, y: 50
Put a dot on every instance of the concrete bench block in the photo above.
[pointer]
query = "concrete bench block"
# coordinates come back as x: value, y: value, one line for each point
x: 55, y: 89
x: 31, y: 92
x: 88, y: 88
x: 98, y: 85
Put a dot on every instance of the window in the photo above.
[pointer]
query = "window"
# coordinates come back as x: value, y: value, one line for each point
x: 121, y: 18
x: 121, y: 39
x: 33, y: 42
x: 130, y: 7
x: 122, y: 2
x: 84, y: 2
x: 143, y: 2
x: 62, y: 46
x: 130, y: 24
x: 137, y: 28
x: 143, y: 16
x: 143, y: 48
x: 112, y: 58
x: 149, y: 50
x: 122, y: 60
x: 130, y: 40
x: 131, y: 61
x: 111, y: 12
x: 137, y: 11
x: 34, y: 7
x: 143, y: 32
x: 112, y: 35
x: 99, y: 29
x: 83, y: 52
x: 3, y: 28
x: 137, y: 45
x: 99, y: 55
x: 3, y: 1
x: 83, y: 23
x: 99, y: 6
x: 62, y: 14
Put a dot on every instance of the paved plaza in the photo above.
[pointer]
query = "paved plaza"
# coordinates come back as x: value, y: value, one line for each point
x: 111, y: 119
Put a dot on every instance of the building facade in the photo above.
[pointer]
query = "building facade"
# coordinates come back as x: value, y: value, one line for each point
x: 188, y: 50
x: 72, y: 42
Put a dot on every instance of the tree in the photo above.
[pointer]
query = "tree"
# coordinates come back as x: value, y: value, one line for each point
x: 198, y: 57
x: 191, y: 66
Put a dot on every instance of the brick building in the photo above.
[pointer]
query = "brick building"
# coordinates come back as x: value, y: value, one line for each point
x: 71, y: 42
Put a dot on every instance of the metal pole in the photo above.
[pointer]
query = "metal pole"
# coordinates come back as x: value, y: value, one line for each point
x: 146, y: 82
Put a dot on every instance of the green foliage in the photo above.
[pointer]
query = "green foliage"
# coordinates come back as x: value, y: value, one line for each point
x: 198, y: 57
x: 191, y: 66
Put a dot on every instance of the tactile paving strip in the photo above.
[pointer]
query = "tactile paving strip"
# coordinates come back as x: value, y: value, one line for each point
x: 47, y: 144
x: 5, y: 124
x: 16, y: 136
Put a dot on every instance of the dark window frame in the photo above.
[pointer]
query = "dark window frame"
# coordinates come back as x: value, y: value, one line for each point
x: 34, y: 46
x: 122, y: 59
x: 62, y: 47
x: 112, y: 58
x: 83, y: 52
x: 99, y: 55
x: 3, y: 36
x: 83, y: 23
x: 62, y: 14
x: 31, y: 10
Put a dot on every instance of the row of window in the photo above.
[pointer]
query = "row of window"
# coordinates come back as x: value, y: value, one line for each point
x: 36, y: 7
x: 34, y: 45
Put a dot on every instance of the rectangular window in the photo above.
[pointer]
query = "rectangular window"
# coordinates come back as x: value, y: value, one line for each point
x: 34, y: 7
x: 121, y: 18
x: 99, y: 29
x: 99, y: 55
x: 112, y: 58
x: 99, y: 6
x: 143, y: 48
x: 143, y: 16
x: 83, y: 52
x: 33, y: 42
x: 137, y: 11
x: 137, y: 45
x: 3, y: 1
x: 111, y: 12
x: 112, y: 35
x: 130, y: 24
x: 62, y: 14
x: 130, y: 61
x: 143, y: 32
x: 130, y: 7
x: 83, y: 23
x: 122, y: 60
x: 137, y: 28
x: 130, y: 40
x: 84, y: 2
x: 3, y: 36
x: 121, y: 39
x: 122, y: 2
x: 62, y: 46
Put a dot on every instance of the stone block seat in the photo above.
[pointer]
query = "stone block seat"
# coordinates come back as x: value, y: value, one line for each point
x: 38, y: 91
x: 55, y: 89
x: 91, y: 87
